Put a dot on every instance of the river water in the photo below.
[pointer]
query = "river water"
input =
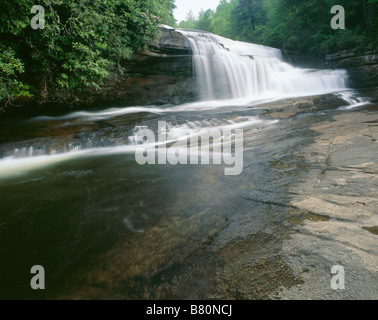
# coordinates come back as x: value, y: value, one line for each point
x: 74, y: 200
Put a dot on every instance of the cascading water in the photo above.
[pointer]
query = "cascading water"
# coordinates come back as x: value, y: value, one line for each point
x: 227, y: 69
x: 229, y: 73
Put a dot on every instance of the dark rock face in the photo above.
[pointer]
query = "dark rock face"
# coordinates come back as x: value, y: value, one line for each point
x: 162, y: 74
x: 362, y: 68
x: 171, y: 42
x: 351, y: 59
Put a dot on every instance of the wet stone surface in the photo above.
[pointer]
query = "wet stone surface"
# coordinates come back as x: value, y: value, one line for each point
x: 107, y: 228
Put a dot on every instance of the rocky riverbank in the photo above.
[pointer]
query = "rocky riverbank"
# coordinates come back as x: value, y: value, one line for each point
x: 305, y: 202
x: 339, y: 196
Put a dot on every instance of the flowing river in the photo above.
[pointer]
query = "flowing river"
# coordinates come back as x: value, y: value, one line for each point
x: 74, y: 200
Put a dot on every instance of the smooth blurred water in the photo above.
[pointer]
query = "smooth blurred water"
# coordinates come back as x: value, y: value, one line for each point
x: 238, y: 70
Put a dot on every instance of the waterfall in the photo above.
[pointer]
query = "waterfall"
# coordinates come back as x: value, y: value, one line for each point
x: 247, y: 73
x: 227, y: 69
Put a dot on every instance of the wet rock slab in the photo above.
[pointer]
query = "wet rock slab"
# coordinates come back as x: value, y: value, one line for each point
x: 306, y: 202
x: 342, y: 186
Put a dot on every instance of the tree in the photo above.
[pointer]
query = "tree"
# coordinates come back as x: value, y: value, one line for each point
x: 246, y: 16
x: 204, y: 20
x: 221, y: 18
x: 190, y: 21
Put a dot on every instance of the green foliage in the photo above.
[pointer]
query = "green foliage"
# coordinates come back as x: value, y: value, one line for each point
x: 246, y: 17
x: 204, y: 20
x: 221, y: 20
x: 10, y: 68
x: 83, y: 41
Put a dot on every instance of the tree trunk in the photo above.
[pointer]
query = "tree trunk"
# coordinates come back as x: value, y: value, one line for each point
x: 253, y: 24
x: 321, y: 10
x: 366, y: 18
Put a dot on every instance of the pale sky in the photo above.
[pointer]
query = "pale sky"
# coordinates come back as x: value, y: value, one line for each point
x: 184, y: 6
